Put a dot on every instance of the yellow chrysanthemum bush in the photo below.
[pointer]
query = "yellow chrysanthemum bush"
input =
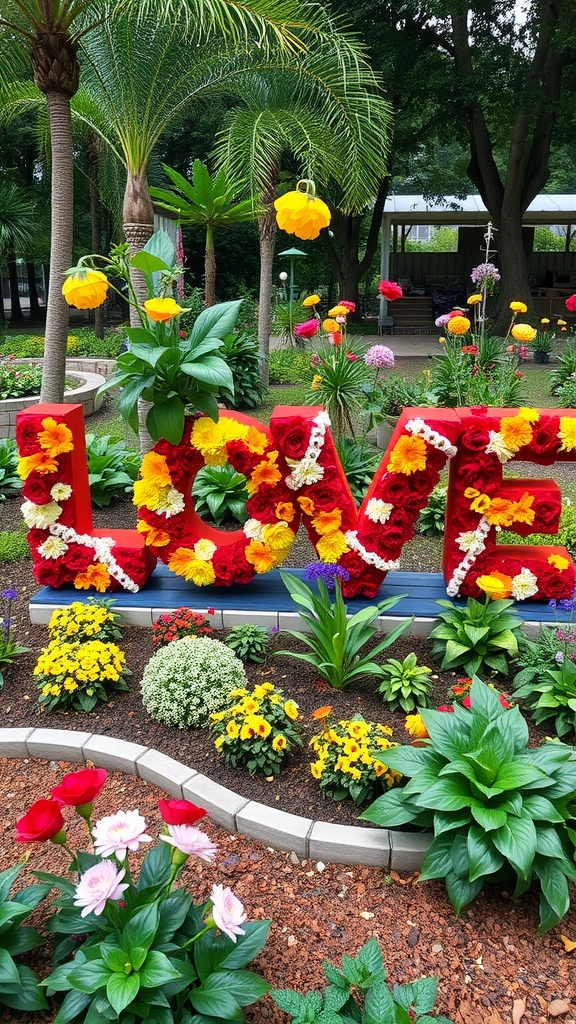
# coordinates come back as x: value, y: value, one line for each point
x: 345, y: 765
x: 77, y: 674
x: 92, y: 619
x: 256, y: 729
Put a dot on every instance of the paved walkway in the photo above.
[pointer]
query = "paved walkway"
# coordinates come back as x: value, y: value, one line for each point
x: 407, y: 346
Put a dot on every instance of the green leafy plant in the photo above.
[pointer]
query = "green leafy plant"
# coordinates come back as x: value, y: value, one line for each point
x: 14, y: 545
x: 567, y: 367
x: 249, y: 642
x: 112, y: 469
x: 220, y: 494
x: 543, y: 342
x: 241, y: 353
x: 360, y: 460
x: 257, y: 729
x: 187, y: 680
x: 405, y: 684
x: 17, y: 380
x: 359, y: 993
x: 9, y: 650
x: 431, y: 520
x: 396, y: 393
x: 336, y: 644
x: 488, y: 377
x: 339, y: 382
x: 566, y: 393
x: 289, y: 366
x: 83, y: 342
x: 480, y: 638
x: 19, y: 986
x: 551, y: 694
x: 10, y: 482
x: 284, y: 316
x: 496, y: 806
x: 346, y: 764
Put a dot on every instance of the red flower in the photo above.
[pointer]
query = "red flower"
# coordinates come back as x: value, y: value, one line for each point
x: 181, y: 334
x: 336, y: 338
x: 505, y: 703
x: 570, y: 304
x: 445, y: 707
x: 390, y: 290
x: 27, y: 435
x: 37, y: 489
x: 80, y: 787
x: 241, y: 458
x: 466, y: 702
x: 519, y: 374
x: 293, y: 437
x: 210, y: 611
x: 180, y: 812
x: 476, y: 438
x: 306, y: 330
x: 351, y: 306
x: 351, y: 357
x: 42, y: 821
x: 470, y: 350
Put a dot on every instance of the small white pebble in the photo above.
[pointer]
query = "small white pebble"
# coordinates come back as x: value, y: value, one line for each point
x: 366, y: 915
x: 291, y: 940
x: 320, y: 866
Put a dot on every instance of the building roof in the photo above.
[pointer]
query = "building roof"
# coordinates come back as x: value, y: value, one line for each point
x: 547, y: 208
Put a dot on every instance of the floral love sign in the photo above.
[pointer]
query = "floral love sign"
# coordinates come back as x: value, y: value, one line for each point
x: 293, y: 474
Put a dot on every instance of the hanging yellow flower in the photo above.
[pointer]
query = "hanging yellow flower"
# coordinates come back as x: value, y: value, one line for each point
x: 458, y: 325
x: 300, y: 213
x: 518, y: 307
x: 523, y: 332
x: 162, y: 310
x: 311, y: 300
x: 85, y: 289
x: 408, y: 455
x: 473, y: 300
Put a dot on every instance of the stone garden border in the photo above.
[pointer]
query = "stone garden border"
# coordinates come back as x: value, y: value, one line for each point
x: 84, y: 394
x: 308, y: 839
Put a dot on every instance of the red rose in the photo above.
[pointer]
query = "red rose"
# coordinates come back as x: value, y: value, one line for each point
x: 293, y: 437
x: 353, y: 564
x: 326, y: 496
x: 390, y: 290
x: 37, y: 489
x: 547, y: 511
x: 80, y: 787
x: 262, y: 504
x: 570, y: 304
x: 554, y: 584
x: 366, y: 585
x: 393, y: 489
x: 180, y: 812
x: 230, y: 565
x: 241, y: 458
x: 51, y: 574
x: 78, y: 557
x: 43, y: 821
x: 475, y: 438
x: 27, y: 431
x: 545, y: 442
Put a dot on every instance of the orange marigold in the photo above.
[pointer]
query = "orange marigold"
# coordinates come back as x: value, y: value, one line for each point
x: 500, y: 512
x: 259, y: 556
x: 55, y: 438
x: 458, y: 325
x: 516, y: 432
x: 523, y: 511
x: 266, y: 472
x: 285, y: 510
x: 408, y: 455
x: 326, y: 522
x: 96, y: 575
x: 306, y: 504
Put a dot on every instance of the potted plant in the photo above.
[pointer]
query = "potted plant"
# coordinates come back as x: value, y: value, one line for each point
x: 393, y: 395
x: 542, y: 346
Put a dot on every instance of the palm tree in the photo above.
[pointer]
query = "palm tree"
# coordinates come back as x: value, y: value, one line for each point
x: 51, y: 32
x: 209, y: 202
x: 16, y: 228
x: 325, y: 110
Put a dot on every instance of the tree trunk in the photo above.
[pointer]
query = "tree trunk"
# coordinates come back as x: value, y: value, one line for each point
x: 36, y: 313
x: 138, y: 216
x: 209, y: 269
x: 95, y: 220
x: 267, y: 233
x: 2, y: 313
x: 62, y: 226
x: 17, y: 318
x: 344, y: 248
x: 515, y: 282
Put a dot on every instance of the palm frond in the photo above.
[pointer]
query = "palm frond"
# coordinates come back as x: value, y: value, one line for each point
x: 16, y: 218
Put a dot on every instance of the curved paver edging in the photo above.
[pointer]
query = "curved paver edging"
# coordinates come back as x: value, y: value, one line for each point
x: 85, y: 394
x: 314, y: 840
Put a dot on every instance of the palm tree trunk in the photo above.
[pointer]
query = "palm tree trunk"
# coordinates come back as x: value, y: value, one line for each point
x: 209, y: 268
x: 267, y: 233
x: 92, y: 151
x: 62, y: 227
x: 138, y: 226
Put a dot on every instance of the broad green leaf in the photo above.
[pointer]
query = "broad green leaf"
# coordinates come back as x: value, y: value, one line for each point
x: 217, y: 321
x: 554, y: 886
x: 8, y: 970
x: 517, y: 774
x: 516, y: 840
x: 245, y: 986
x: 89, y: 977
x: 157, y: 970
x: 489, y: 817
x: 460, y: 892
x: 140, y: 930
x: 247, y: 946
x: 484, y: 858
x: 122, y: 990
x: 73, y: 1005
x: 28, y: 996
x: 379, y: 1005
x: 437, y: 862
x: 166, y: 419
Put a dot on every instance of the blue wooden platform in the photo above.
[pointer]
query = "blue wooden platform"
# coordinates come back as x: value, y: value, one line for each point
x: 267, y: 601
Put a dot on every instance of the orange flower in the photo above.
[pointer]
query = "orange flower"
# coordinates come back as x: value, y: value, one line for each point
x: 458, y: 325
x: 85, y: 289
x: 330, y: 325
x: 306, y: 504
x: 162, y: 310
x: 480, y: 504
x: 415, y: 726
x: 408, y: 455
x: 185, y: 563
x: 516, y: 432
x: 500, y: 512
x: 154, y: 470
x: 321, y: 713
x: 285, y: 510
x: 40, y: 462
x: 266, y: 472
x: 496, y: 585
x: 96, y: 575
x: 55, y: 438
x: 326, y: 522
x: 259, y: 556
x: 558, y: 562
x: 158, y: 538
x: 256, y: 441
x: 523, y: 511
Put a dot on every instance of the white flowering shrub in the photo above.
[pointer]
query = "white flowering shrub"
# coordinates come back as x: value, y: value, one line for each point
x: 190, y: 679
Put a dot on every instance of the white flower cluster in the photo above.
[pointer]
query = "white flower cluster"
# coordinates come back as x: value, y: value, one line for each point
x: 370, y: 557
x: 524, y: 585
x: 171, y: 503
x: 102, y: 549
x: 40, y: 517
x: 306, y: 470
x: 254, y: 529
x: 472, y: 542
x: 497, y: 446
x: 378, y: 511
x: 188, y: 679
x: 418, y: 428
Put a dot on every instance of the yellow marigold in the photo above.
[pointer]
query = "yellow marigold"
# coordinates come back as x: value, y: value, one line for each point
x: 330, y: 325
x: 185, y: 563
x: 210, y: 438
x: 516, y: 432
x: 232, y: 730
x: 518, y: 307
x: 55, y: 438
x: 85, y: 289
x: 154, y: 469
x: 40, y: 462
x: 285, y: 511
x: 414, y: 724
x: 147, y: 494
x: 256, y: 441
x: 219, y: 743
x: 259, y: 556
x: 279, y: 742
x: 408, y: 455
x: 301, y: 214
x: 316, y: 382
x: 311, y: 300
x: 278, y: 537
x: 326, y: 522
x: 458, y: 325
x: 338, y: 311
x: 291, y: 709
x: 96, y: 575
x: 522, y: 509
x: 331, y: 546
x: 559, y: 562
x: 500, y: 512
x: 567, y: 433
x: 473, y: 300
x: 531, y: 415
x: 153, y: 536
x: 545, y: 320
x: 496, y: 585
x: 317, y: 768
x: 162, y: 310
x: 307, y: 505
x: 266, y: 472
x: 523, y: 332
x: 480, y: 504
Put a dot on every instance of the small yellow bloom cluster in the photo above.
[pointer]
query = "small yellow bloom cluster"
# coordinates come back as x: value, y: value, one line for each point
x: 346, y: 764
x: 72, y: 673
x: 257, y: 729
x: 82, y: 621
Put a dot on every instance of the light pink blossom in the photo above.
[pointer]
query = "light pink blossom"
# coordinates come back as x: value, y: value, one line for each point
x: 98, y: 884
x: 228, y: 912
x: 190, y: 840
x: 379, y: 357
x: 119, y: 832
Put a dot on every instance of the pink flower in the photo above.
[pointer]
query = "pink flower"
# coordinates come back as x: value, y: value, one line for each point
x: 190, y: 840
x: 350, y: 306
x: 98, y: 884
x: 445, y: 707
x: 390, y: 290
x: 306, y: 330
x: 227, y: 911
x: 570, y: 304
x: 351, y: 357
x: 379, y: 357
x: 441, y: 321
x: 467, y: 701
x: 119, y: 832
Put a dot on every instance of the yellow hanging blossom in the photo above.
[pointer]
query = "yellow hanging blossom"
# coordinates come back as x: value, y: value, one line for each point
x: 85, y: 289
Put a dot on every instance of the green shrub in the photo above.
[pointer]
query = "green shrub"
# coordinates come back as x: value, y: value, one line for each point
x: 10, y: 482
x: 405, y: 684
x: 566, y: 394
x: 566, y: 531
x: 535, y: 655
x: 112, y: 469
x: 358, y: 993
x: 220, y: 494
x: 432, y: 519
x: 360, y: 460
x: 495, y: 805
x: 290, y: 366
x: 189, y: 679
x: 19, y: 986
x: 82, y: 342
x: 550, y: 694
x: 478, y: 639
x: 18, y: 380
x: 284, y: 316
x: 249, y: 643
x: 13, y: 545
x: 567, y: 367
x: 241, y: 352
x: 256, y: 729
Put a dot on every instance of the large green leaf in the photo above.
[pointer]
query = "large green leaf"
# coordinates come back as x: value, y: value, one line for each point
x: 483, y: 857
x: 517, y: 774
x: 217, y: 320
x: 8, y: 969
x: 437, y: 862
x: 379, y: 1005
x: 122, y: 990
x: 460, y: 892
x: 247, y: 946
x: 516, y: 840
x: 166, y: 419
x: 554, y: 886
x: 157, y: 970
x: 245, y: 986
x: 210, y: 370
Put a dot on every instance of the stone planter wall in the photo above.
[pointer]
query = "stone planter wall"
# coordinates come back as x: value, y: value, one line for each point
x: 85, y: 394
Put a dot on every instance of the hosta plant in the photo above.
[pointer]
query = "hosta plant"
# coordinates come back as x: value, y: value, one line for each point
x: 249, y: 642
x: 359, y: 993
x: 220, y: 494
x: 10, y: 482
x: 405, y: 684
x: 19, y: 987
x: 551, y: 695
x: 495, y: 806
x: 432, y: 518
x: 481, y: 638
x: 112, y: 469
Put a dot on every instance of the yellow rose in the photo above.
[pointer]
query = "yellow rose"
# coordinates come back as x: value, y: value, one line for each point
x: 85, y: 289
x: 311, y: 300
x: 518, y: 307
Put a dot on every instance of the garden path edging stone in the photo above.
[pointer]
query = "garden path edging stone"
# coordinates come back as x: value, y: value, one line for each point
x: 314, y: 840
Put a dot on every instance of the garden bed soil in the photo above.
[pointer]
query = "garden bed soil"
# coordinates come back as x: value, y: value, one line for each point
x: 489, y: 961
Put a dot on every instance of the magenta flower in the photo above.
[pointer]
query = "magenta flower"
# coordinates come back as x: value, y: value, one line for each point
x: 306, y: 330
x: 100, y: 883
x: 228, y: 912
x: 116, y: 833
x: 379, y: 357
x: 191, y: 841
